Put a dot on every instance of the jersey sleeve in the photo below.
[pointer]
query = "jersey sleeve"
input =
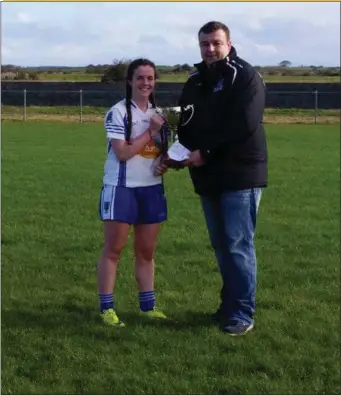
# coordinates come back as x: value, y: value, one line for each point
x: 115, y: 124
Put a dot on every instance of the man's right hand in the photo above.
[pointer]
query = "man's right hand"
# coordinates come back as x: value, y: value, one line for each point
x: 156, y: 123
x: 195, y: 159
x: 172, y: 164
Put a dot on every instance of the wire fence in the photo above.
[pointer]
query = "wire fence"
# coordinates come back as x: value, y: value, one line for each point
x: 91, y: 106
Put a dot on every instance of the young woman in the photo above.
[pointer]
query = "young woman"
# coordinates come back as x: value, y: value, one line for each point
x: 133, y: 192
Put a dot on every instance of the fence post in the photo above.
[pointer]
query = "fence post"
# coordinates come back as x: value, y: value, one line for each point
x: 81, y: 106
x: 315, y: 105
x: 25, y: 105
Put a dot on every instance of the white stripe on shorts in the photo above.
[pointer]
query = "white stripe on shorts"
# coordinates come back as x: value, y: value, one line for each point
x: 108, y: 202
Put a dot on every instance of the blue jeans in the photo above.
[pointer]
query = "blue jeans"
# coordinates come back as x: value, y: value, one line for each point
x: 231, y: 223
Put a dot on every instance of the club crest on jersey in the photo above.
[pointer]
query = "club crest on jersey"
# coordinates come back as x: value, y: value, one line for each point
x: 150, y: 150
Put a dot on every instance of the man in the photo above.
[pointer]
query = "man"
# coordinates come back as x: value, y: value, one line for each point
x: 221, y: 123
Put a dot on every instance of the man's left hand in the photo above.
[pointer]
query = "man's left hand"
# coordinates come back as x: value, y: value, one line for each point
x: 195, y: 159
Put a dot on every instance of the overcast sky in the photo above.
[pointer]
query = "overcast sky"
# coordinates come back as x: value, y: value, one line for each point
x: 77, y: 34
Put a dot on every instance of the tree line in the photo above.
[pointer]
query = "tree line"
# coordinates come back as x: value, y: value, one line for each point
x: 116, y: 71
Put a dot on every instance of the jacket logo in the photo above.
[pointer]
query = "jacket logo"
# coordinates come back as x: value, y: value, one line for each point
x: 187, y: 113
x: 219, y: 86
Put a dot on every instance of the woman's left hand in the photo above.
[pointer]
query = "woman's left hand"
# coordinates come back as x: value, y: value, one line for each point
x: 161, y: 169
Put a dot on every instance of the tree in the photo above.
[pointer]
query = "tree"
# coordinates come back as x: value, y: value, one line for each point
x: 96, y: 69
x: 33, y: 75
x: 116, y: 72
x: 186, y: 67
x: 285, y: 63
x: 21, y: 76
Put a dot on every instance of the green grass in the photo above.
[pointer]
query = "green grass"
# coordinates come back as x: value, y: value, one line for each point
x: 77, y: 77
x: 92, y: 110
x: 96, y: 114
x: 182, y: 77
x: 52, y: 341
x: 267, y: 78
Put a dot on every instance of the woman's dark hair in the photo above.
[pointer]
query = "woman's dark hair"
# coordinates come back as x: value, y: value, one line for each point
x: 130, y: 72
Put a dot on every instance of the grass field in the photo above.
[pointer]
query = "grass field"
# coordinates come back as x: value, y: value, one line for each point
x: 52, y: 340
x: 96, y: 114
x: 182, y: 77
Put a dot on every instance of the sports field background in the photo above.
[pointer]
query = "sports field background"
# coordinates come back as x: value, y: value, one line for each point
x: 52, y: 340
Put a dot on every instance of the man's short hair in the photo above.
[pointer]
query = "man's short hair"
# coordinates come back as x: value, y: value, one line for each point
x: 213, y: 26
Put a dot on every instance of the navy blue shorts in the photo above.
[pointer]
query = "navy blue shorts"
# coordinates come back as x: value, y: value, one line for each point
x: 140, y: 205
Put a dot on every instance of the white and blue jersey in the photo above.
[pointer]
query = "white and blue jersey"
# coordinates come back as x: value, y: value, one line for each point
x: 131, y: 193
x: 139, y: 170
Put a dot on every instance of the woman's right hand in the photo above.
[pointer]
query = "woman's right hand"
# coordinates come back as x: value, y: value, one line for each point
x: 156, y: 123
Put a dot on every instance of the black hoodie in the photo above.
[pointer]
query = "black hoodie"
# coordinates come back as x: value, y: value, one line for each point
x: 222, y: 110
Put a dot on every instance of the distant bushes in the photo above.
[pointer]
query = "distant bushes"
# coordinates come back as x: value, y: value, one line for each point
x: 300, y: 71
x: 19, y: 75
x: 116, y: 71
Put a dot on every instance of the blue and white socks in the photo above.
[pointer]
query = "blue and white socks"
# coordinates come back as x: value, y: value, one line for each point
x: 106, y: 301
x: 147, y: 300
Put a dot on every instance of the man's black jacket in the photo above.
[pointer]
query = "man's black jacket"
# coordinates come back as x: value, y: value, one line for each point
x: 222, y: 115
